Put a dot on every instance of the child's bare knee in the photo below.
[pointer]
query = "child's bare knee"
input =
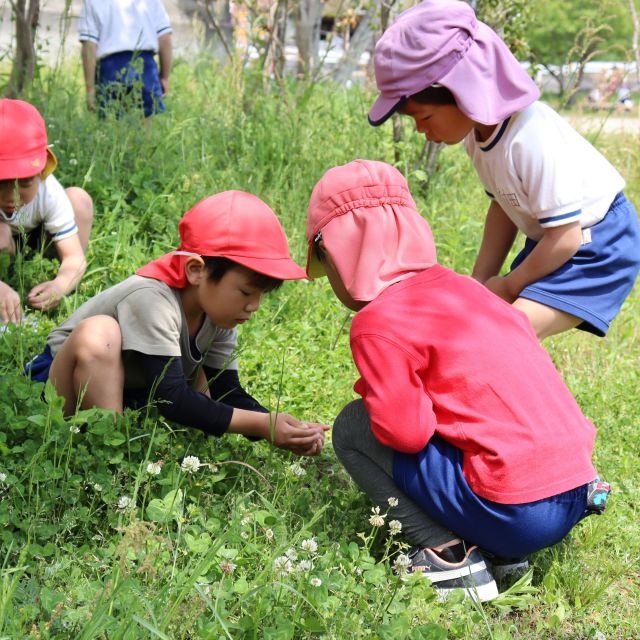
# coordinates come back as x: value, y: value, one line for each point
x: 98, y: 339
x: 82, y: 204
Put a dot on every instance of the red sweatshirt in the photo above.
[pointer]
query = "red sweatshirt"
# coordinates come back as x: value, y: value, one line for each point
x: 439, y: 353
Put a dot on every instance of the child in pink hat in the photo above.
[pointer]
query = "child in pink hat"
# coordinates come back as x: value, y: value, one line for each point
x: 168, y: 333
x: 35, y: 209
x: 475, y: 459
x: 457, y: 79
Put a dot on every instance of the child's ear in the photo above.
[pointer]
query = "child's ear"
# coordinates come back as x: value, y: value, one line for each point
x: 194, y: 269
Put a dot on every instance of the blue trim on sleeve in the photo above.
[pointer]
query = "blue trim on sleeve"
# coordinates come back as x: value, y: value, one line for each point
x: 164, y: 30
x: 73, y: 227
x: 564, y: 216
x: 88, y: 36
x: 499, y: 135
x: 490, y: 194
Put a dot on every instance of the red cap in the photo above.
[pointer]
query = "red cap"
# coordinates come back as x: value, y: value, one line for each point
x: 234, y: 225
x: 24, y: 151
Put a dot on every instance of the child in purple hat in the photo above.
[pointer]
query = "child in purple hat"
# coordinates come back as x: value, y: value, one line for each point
x: 458, y: 80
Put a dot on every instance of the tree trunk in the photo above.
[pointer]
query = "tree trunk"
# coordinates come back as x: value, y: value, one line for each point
x: 634, y: 40
x: 361, y: 41
x: 307, y: 18
x: 24, y: 64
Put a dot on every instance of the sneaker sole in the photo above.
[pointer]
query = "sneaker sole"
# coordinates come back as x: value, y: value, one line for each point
x: 461, y: 572
x: 479, y: 593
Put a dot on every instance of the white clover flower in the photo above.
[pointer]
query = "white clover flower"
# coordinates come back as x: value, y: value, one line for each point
x: 377, y: 519
x: 214, y: 468
x: 269, y: 535
x: 244, y: 535
x: 3, y: 476
x: 73, y: 162
x: 227, y: 567
x: 395, y: 527
x: 305, y: 565
x: 358, y: 571
x: 291, y: 553
x: 190, y: 464
x: 97, y: 487
x: 246, y: 520
x: 297, y: 470
x: 315, y: 582
x: 154, y: 468
x: 282, y: 566
x: 74, y: 429
x: 401, y: 564
x: 124, y: 503
x: 393, y: 502
x: 309, y: 545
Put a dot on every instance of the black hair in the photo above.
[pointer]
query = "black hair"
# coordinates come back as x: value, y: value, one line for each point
x: 434, y: 95
x: 217, y: 266
x: 316, y: 248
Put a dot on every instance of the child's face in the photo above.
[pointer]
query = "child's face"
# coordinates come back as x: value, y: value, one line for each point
x: 336, y: 282
x: 230, y: 301
x: 439, y: 122
x: 16, y: 193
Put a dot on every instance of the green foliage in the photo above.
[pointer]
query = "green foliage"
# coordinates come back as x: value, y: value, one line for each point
x: 106, y: 531
x: 556, y: 27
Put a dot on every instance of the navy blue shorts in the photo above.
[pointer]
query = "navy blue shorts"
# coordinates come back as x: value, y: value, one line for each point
x: 434, y: 480
x: 129, y: 78
x: 593, y: 285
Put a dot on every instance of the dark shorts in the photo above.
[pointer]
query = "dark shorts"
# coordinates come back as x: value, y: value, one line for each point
x: 129, y: 79
x: 36, y: 240
x: 433, y: 478
x: 597, y: 280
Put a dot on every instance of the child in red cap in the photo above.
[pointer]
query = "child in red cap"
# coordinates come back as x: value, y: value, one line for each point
x: 466, y: 433
x: 168, y: 333
x: 33, y: 201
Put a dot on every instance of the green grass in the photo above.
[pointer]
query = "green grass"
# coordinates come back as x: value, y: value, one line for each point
x: 192, y: 556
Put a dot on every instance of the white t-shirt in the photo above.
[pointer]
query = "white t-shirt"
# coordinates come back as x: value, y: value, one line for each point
x: 543, y: 173
x: 123, y: 25
x: 152, y: 322
x: 51, y: 207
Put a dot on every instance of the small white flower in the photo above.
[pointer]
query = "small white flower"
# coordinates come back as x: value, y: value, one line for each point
x: 292, y: 554
x: 3, y: 477
x: 395, y: 527
x: 154, y: 468
x: 74, y: 428
x: 393, y: 502
x: 401, y: 564
x: 376, y: 520
x: 227, y: 567
x: 269, y: 535
x: 97, y: 487
x: 214, y: 468
x: 315, y: 582
x: 124, y: 503
x: 358, y: 571
x: 297, y: 470
x: 282, y: 566
x: 309, y: 545
x: 244, y: 535
x: 305, y: 565
x: 190, y: 464
x: 73, y: 162
x: 246, y: 520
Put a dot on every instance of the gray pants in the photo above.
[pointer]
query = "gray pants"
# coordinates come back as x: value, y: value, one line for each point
x: 370, y: 464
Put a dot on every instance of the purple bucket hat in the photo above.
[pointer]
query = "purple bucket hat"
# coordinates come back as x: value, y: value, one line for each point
x: 442, y: 42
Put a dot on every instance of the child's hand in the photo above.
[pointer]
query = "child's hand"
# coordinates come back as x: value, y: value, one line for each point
x: 45, y: 296
x: 500, y: 286
x: 10, y: 309
x: 301, y: 438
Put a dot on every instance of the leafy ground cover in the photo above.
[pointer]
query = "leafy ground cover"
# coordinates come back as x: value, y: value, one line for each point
x: 143, y: 529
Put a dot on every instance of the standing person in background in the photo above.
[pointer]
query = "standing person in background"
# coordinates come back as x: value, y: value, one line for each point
x: 119, y: 41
